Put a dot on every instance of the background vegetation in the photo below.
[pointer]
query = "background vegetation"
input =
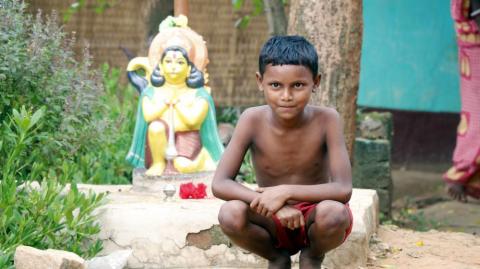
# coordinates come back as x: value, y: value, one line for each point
x: 84, y: 109
x: 61, y: 121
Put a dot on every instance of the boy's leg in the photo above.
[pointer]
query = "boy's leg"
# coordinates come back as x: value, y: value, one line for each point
x: 326, y: 226
x: 252, y: 232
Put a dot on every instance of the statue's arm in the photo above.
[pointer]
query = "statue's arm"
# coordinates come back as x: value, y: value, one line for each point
x: 193, y: 112
x: 152, y: 110
x: 139, y: 82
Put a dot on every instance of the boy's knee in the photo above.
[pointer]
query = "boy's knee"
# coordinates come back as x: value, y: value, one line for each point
x: 331, y: 216
x: 233, y: 216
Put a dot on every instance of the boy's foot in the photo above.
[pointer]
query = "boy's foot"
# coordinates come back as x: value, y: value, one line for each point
x: 281, y: 262
x: 309, y: 261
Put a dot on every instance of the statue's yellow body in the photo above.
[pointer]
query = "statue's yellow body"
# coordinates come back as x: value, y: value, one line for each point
x: 175, y: 128
x: 189, y: 113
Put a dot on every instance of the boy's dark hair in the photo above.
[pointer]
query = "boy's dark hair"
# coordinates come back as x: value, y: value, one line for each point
x: 296, y: 50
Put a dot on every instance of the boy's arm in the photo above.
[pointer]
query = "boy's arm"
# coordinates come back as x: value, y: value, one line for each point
x: 224, y: 186
x: 340, y: 186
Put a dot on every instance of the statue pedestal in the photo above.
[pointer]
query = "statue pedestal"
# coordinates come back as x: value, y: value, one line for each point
x: 186, y: 233
x: 160, y: 185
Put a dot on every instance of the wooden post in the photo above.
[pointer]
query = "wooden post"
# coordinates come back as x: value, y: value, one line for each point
x: 180, y: 7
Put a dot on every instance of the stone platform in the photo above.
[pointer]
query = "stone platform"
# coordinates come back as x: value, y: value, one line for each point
x: 185, y: 233
x: 157, y: 184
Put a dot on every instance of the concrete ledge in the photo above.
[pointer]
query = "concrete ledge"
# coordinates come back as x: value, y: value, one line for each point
x: 157, y: 184
x: 185, y: 234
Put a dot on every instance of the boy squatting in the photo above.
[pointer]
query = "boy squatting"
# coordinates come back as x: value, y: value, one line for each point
x: 301, y: 164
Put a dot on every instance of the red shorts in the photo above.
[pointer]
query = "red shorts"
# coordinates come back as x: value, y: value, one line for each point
x: 295, y: 240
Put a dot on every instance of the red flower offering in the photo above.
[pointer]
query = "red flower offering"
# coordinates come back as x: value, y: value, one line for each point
x: 192, y: 191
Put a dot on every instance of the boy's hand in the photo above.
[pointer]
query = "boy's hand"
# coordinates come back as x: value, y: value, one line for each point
x: 270, y: 200
x: 290, y: 217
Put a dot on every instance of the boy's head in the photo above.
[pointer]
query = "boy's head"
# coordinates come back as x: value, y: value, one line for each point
x: 288, y: 50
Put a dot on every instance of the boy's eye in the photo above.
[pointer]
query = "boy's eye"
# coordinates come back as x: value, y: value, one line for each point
x: 275, y: 85
x: 298, y: 85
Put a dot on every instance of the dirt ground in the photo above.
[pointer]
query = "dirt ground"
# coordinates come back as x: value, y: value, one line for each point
x: 396, y: 248
x: 419, y: 197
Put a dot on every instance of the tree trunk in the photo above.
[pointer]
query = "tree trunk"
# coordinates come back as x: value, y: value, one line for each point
x: 276, y: 17
x: 335, y: 28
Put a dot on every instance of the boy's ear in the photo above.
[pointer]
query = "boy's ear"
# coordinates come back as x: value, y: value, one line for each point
x: 259, y: 81
x: 316, y: 80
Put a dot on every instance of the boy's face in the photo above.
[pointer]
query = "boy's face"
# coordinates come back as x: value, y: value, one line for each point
x: 287, y: 88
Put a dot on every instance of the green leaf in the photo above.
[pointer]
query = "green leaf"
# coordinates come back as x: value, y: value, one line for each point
x: 257, y: 7
x: 237, y: 4
x: 36, y: 117
x: 243, y: 22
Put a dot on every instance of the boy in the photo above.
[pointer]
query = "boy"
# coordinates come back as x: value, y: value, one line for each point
x: 301, y: 164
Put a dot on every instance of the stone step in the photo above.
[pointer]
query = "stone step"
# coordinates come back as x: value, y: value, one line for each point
x: 185, y: 233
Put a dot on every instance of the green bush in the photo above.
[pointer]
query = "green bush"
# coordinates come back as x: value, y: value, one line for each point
x: 37, y: 69
x: 105, y: 164
x: 87, y: 125
x: 45, y: 216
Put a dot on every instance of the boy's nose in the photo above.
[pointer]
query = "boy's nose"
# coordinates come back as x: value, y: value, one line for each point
x: 286, y: 95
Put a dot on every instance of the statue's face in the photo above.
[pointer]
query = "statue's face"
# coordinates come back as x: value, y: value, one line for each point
x: 175, y: 67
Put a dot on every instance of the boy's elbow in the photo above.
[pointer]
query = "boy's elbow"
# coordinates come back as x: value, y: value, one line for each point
x: 216, y: 189
x: 346, y: 193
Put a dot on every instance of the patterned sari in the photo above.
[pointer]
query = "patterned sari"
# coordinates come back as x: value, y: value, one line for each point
x: 466, y: 157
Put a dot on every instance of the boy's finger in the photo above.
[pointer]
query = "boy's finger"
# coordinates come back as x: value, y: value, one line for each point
x: 291, y: 224
x: 264, y: 211
x: 269, y: 213
x: 254, y: 203
x: 288, y: 223
x: 302, y: 221
x: 296, y: 223
x: 259, y: 208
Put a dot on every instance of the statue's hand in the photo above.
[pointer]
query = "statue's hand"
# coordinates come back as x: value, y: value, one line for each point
x: 188, y: 100
x: 171, y: 102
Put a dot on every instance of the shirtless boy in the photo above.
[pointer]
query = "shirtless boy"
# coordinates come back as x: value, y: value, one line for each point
x: 301, y: 164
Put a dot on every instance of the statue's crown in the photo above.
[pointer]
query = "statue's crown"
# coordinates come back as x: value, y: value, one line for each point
x: 174, y: 31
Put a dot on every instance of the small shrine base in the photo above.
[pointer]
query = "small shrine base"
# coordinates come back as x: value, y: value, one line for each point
x: 185, y: 233
x: 159, y: 184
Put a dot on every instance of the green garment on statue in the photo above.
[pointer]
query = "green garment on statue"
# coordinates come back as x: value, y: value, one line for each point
x: 208, y: 131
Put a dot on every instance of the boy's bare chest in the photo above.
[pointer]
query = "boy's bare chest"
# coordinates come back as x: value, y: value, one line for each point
x: 291, y: 157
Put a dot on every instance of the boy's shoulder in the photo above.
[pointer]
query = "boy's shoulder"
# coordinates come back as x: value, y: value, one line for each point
x: 321, y: 114
x: 254, y: 113
x: 324, y: 114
